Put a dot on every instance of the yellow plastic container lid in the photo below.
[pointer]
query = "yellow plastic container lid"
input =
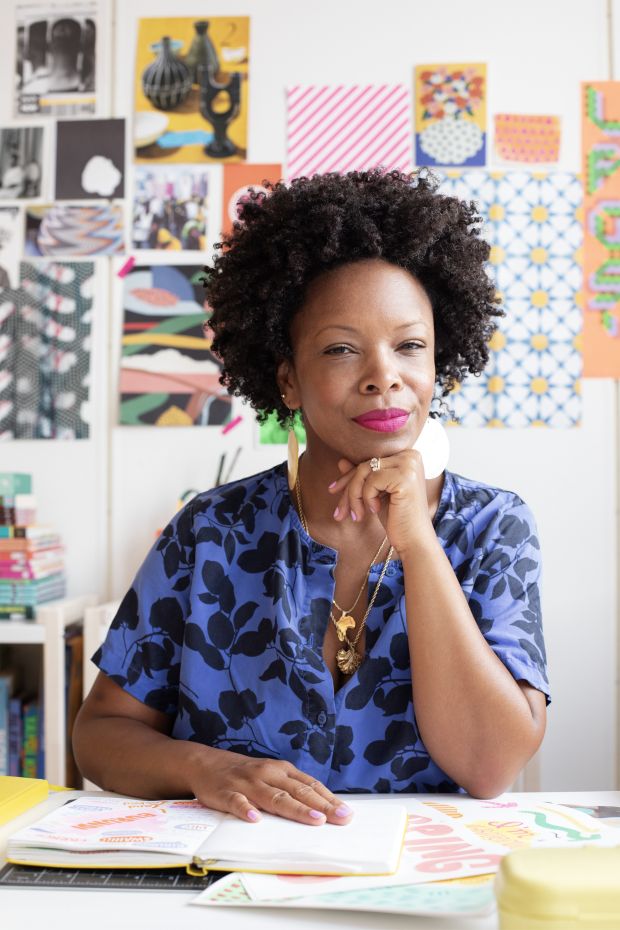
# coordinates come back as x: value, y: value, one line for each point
x: 558, y: 889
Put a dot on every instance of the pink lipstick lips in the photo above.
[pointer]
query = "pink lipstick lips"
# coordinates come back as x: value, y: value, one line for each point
x: 383, y: 421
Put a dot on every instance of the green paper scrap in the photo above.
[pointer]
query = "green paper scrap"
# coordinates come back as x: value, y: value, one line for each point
x: 272, y: 434
x: 434, y: 898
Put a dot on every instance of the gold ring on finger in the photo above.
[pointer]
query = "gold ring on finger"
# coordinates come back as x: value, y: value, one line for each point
x: 375, y: 464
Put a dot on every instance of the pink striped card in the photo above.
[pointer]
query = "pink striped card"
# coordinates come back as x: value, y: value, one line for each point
x: 346, y: 128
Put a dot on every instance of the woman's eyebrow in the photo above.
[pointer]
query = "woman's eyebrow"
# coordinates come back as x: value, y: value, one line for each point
x: 353, y: 329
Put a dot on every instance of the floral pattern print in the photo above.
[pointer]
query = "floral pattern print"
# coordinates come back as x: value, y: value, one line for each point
x: 223, y: 629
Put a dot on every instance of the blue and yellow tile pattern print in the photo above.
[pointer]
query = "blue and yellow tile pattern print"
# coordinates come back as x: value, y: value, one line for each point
x: 533, y: 224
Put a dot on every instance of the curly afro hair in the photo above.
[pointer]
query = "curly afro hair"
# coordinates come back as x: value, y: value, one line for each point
x: 295, y: 232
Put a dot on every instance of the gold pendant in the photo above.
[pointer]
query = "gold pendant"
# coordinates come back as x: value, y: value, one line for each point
x: 345, y: 623
x: 348, y: 660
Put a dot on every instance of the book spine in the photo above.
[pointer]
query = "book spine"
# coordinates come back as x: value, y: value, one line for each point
x: 16, y: 612
x: 42, y: 543
x: 23, y: 531
x: 12, y: 483
x: 15, y: 736
x: 30, y: 739
x: 4, y: 725
x: 27, y: 572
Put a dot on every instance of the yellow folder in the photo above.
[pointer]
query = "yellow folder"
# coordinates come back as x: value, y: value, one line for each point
x: 20, y: 794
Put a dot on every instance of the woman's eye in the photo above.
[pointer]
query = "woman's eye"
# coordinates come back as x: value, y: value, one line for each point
x: 337, y: 350
x: 412, y: 346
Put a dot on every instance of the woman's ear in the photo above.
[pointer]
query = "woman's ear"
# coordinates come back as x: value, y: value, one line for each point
x: 287, y: 383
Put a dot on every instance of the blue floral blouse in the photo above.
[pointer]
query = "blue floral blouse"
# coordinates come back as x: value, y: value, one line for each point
x: 224, y: 624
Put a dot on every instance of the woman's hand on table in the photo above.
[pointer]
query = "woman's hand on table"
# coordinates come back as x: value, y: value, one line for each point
x: 246, y: 786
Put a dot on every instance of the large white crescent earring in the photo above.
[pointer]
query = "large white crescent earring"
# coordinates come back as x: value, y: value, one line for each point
x: 434, y: 447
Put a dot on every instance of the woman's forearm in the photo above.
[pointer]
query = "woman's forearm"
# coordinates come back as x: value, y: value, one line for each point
x: 129, y: 757
x: 472, y: 715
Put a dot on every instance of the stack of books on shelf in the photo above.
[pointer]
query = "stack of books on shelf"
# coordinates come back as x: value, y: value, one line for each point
x: 21, y: 728
x: 31, y: 555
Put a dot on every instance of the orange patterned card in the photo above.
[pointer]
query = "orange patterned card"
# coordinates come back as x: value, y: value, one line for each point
x: 527, y: 138
x: 237, y: 181
x: 601, y: 254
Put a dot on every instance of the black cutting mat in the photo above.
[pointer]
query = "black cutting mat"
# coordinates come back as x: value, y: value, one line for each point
x: 28, y: 876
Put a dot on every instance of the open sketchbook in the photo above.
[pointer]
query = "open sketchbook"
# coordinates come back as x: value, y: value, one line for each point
x: 112, y: 832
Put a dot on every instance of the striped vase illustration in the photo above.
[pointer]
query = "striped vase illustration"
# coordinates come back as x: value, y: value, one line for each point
x: 166, y: 82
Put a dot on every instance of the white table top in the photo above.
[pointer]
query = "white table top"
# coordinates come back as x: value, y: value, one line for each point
x: 72, y: 909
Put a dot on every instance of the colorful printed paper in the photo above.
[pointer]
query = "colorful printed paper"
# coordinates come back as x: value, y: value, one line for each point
x: 238, y: 179
x: 56, y: 58
x: 170, y: 207
x: 21, y: 161
x: 601, y: 252
x: 534, y: 229
x: 191, y: 89
x: 346, y: 128
x: 460, y: 839
x: 527, y: 139
x: 168, y: 375
x: 45, y: 329
x: 72, y: 231
x: 90, y: 159
x: 450, y: 114
x: 438, y: 900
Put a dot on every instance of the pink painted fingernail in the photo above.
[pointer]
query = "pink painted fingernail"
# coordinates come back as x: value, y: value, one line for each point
x: 343, y: 811
x: 332, y: 485
x: 317, y: 815
x: 353, y: 516
x: 336, y: 513
x: 253, y: 815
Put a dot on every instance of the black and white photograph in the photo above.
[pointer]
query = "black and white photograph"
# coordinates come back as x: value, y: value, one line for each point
x: 90, y: 159
x: 21, y: 158
x: 56, y: 58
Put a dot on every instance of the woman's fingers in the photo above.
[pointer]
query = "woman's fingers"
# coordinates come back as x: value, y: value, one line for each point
x: 280, y: 789
x: 310, y: 790
x: 238, y: 804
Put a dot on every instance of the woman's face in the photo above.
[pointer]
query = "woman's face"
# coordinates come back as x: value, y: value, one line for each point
x: 363, y: 367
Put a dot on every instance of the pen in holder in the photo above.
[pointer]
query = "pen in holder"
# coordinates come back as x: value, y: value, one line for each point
x: 212, y: 97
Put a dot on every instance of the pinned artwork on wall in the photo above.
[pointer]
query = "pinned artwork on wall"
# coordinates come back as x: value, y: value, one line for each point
x: 90, y: 159
x: 601, y: 253
x: 532, y: 222
x: 347, y: 127
x: 56, y: 58
x: 169, y: 376
x: 11, y: 239
x: 170, y: 207
x: 239, y: 182
x: 21, y: 162
x: 45, y: 328
x: 72, y: 230
x: 527, y: 139
x: 450, y: 114
x: 191, y: 89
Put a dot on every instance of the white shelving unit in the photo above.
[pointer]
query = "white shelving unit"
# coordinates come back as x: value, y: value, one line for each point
x: 48, y: 632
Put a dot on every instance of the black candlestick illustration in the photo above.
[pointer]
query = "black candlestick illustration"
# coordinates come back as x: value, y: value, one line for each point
x: 212, y: 96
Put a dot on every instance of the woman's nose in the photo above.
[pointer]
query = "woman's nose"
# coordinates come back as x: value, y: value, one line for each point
x: 381, y: 375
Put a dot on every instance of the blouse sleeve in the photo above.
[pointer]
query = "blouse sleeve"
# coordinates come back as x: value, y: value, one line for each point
x: 142, y: 649
x: 505, y: 598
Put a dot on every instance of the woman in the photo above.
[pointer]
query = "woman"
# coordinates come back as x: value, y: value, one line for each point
x: 279, y: 635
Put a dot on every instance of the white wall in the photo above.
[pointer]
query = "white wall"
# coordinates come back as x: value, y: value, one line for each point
x: 537, y: 51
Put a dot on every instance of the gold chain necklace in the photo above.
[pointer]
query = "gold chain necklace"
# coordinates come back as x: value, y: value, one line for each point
x: 348, y: 658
